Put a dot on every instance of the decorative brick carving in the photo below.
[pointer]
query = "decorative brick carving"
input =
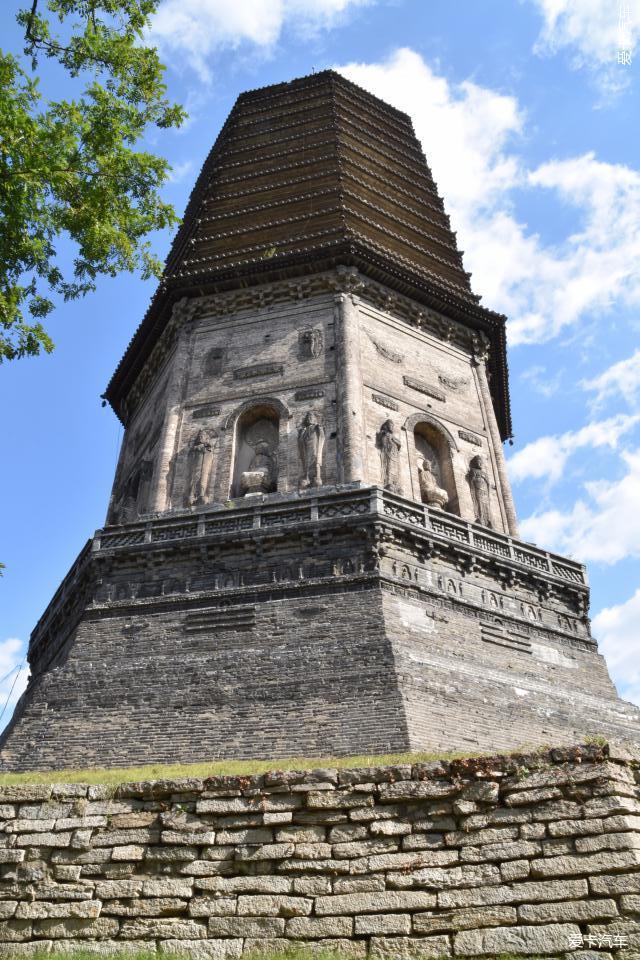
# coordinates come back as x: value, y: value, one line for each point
x: 425, y: 388
x: 258, y: 370
x: 385, y: 401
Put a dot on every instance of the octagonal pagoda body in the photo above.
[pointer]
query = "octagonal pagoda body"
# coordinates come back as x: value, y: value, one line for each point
x: 311, y: 545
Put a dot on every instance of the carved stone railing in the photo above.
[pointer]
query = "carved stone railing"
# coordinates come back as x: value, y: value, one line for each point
x: 370, y: 502
x: 315, y: 508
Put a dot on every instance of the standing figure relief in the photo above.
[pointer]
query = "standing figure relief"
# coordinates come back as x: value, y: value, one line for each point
x: 310, y: 449
x: 200, y: 465
x: 389, y: 447
x: 480, y: 485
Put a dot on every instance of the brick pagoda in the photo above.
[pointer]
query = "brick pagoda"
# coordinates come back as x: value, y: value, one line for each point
x: 311, y: 546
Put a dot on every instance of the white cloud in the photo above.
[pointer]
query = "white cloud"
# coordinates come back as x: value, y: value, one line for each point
x: 616, y: 629
x: 594, y: 31
x: 623, y: 379
x: 179, y: 171
x: 12, y: 684
x: 194, y: 29
x: 541, y: 380
x: 470, y: 135
x: 546, y: 457
x: 604, y: 527
x: 464, y: 128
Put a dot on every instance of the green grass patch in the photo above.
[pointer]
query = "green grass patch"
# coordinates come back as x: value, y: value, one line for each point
x: 216, y: 768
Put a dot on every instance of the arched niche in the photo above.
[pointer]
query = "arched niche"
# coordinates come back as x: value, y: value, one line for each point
x: 256, y: 445
x: 434, y: 443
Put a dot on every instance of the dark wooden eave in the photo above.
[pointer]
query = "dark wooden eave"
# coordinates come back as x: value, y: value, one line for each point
x: 306, y: 176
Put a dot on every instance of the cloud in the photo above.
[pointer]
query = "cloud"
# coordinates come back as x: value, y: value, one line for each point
x: 179, y: 171
x: 546, y: 457
x: 471, y: 136
x: 541, y: 381
x: 617, y: 631
x: 593, y: 31
x: 195, y: 29
x: 621, y: 379
x: 603, y: 527
x: 12, y: 652
x: 464, y: 128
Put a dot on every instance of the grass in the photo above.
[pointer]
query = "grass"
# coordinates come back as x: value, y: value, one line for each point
x: 216, y: 768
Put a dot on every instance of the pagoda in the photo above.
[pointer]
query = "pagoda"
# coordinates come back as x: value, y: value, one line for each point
x: 311, y: 547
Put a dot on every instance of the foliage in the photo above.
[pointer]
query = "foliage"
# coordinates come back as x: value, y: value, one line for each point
x: 69, y: 168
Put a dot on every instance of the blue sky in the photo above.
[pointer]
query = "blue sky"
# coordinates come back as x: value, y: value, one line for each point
x: 530, y: 125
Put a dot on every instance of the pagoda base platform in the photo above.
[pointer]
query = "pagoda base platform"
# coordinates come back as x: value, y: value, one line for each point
x: 331, y: 623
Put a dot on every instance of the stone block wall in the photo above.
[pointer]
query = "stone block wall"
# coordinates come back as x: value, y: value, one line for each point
x: 533, y: 854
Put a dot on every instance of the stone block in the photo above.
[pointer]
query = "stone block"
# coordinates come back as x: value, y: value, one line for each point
x: 358, y: 884
x: 11, y: 856
x: 543, y: 940
x: 586, y: 864
x: 614, y: 885
x: 571, y: 911
x: 21, y: 825
x: 274, y: 906
x: 145, y: 907
x: 299, y: 833
x: 390, y: 828
x: 245, y: 884
x: 265, y: 851
x: 312, y: 851
x: 51, y: 839
x: 338, y: 800
x: 383, y: 924
x: 250, y: 835
x: 453, y: 920
x: 384, y: 902
x: 117, y: 889
x: 501, y: 851
x: 246, y: 926
x: 312, y: 886
x: 331, y: 867
x: 26, y: 792
x: 484, y: 792
x: 14, y: 931
x: 630, y: 903
x: 416, y: 790
x: 608, y: 841
x: 164, y: 928
x: 41, y: 910
x: 60, y: 929
x: 515, y: 870
x: 213, y: 907
x: 347, y: 949
x: 363, y: 848
x: 203, y: 949
x: 409, y: 948
x: 412, y: 860
x: 316, y: 927
x: 188, y: 837
x: 168, y: 854
x: 346, y: 832
x: 131, y: 852
x: 517, y: 893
